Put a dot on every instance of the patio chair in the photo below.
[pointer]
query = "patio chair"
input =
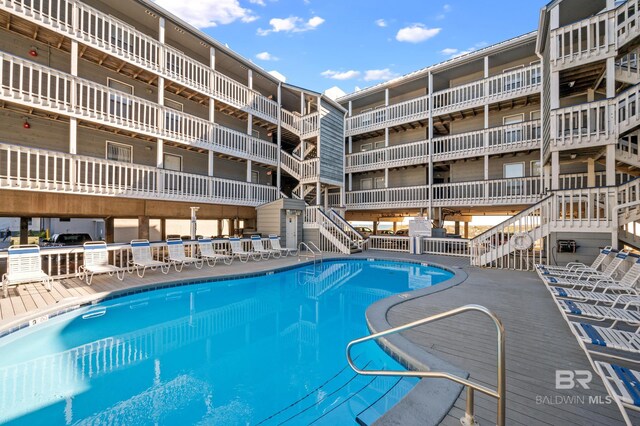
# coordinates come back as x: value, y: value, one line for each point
x: 209, y: 254
x: 24, y: 265
x: 96, y: 261
x: 613, y: 291
x: 240, y: 253
x: 177, y: 255
x: 623, y: 385
x: 258, y: 247
x: 589, y: 279
x: 275, y: 245
x: 143, y: 258
x: 601, y: 313
x: 571, y: 267
x: 606, y: 337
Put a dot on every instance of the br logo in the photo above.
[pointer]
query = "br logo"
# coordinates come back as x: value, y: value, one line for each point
x: 569, y: 379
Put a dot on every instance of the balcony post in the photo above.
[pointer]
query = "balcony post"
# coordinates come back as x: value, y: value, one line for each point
x: 143, y: 227
x: 591, y: 172
x: 318, y: 193
x: 212, y: 116
x: 611, y: 77
x: 24, y: 230
x: 611, y: 164
x: 279, y: 137
x: 430, y: 150
x: 555, y: 170
x: 109, y: 229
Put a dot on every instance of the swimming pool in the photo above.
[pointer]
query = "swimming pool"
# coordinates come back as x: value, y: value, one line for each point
x: 267, y: 349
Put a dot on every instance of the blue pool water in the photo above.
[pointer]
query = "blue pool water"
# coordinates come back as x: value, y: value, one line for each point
x: 260, y: 350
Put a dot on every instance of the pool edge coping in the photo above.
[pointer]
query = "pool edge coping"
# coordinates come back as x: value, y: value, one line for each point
x: 438, y: 396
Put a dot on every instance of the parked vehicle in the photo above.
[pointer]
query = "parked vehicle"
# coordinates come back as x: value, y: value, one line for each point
x: 402, y: 232
x: 384, y: 232
x: 364, y: 231
x: 67, y: 240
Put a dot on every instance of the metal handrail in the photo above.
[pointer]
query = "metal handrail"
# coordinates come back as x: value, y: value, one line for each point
x: 310, y: 246
x: 499, y: 393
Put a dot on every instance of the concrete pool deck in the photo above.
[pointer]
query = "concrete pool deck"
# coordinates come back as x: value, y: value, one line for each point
x: 538, y: 339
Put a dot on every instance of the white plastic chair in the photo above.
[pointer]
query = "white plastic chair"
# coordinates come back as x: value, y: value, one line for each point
x: 240, y: 253
x: 258, y: 247
x: 24, y: 265
x: 142, y: 258
x: 275, y: 244
x: 96, y: 261
x: 177, y: 255
x: 208, y: 253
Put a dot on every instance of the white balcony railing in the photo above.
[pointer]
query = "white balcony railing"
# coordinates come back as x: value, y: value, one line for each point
x: 40, y: 170
x: 305, y: 126
x: 487, y: 141
x: 114, y: 37
x: 519, y: 82
x: 41, y: 87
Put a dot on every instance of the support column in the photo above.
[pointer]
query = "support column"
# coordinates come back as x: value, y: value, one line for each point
x: 249, y: 122
x: 611, y: 77
x: 555, y: 170
x: 24, y: 230
x: 249, y: 168
x: 395, y: 226
x: 326, y: 198
x: 220, y: 230
x: 591, y: 172
x: 318, y: 193
x: 143, y: 227
x: 375, y: 227
x: 109, y: 229
x: 163, y: 229
x: 343, y: 201
x: 350, y: 181
x: 232, y: 227
x: 456, y: 227
x: 279, y: 138
x: 212, y: 112
x: 430, y: 149
x: 73, y: 122
x: 386, y: 177
x: 466, y: 230
x: 611, y: 165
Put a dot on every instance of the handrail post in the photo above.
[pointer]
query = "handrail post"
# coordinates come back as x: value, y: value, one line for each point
x: 469, y: 418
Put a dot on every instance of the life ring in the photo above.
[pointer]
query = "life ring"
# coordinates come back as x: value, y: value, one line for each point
x: 521, y: 241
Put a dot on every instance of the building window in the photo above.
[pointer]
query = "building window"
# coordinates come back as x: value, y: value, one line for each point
x: 536, y: 131
x: 119, y: 102
x: 171, y: 119
x: 366, y: 184
x: 513, y: 81
x: 173, y: 162
x: 535, y: 168
x: 366, y: 147
x: 378, y: 182
x: 513, y: 171
x: 255, y: 133
x: 119, y: 152
x: 255, y: 176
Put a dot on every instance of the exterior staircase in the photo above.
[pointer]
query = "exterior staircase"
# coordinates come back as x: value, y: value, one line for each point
x: 335, y: 233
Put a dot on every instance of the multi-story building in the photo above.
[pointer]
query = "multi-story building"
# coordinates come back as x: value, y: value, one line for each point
x: 121, y: 110
x: 99, y: 104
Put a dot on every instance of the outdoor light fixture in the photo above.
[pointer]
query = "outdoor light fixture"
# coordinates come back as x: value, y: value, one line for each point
x: 26, y: 124
x: 573, y: 156
x: 571, y: 83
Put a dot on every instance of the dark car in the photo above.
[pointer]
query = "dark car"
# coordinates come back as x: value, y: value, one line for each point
x: 68, y: 239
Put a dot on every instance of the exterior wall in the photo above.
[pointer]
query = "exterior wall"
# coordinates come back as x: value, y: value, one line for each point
x: 589, y: 245
x: 331, y: 143
x: 271, y: 218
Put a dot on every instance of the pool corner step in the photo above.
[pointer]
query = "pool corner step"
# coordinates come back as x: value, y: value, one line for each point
x: 372, y: 413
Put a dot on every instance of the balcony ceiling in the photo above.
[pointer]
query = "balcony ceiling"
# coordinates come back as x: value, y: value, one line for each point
x: 582, y: 78
x: 575, y: 10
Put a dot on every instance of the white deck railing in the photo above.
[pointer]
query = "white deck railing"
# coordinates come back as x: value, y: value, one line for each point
x: 520, y: 82
x: 40, y: 170
x: 114, y: 37
x: 446, y: 246
x: 44, y: 88
x: 389, y: 242
x: 487, y: 141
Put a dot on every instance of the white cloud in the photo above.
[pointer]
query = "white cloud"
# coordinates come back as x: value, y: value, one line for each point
x: 208, y: 13
x: 381, y: 23
x: 292, y: 24
x: 340, y: 75
x: 258, y: 2
x: 416, y: 33
x: 449, y: 51
x: 446, y: 7
x: 334, y: 93
x: 454, y: 53
x: 266, y: 56
x: 278, y: 75
x: 374, y: 75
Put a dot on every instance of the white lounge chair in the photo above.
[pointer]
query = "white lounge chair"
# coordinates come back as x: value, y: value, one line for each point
x: 142, y: 258
x: 208, y: 253
x: 275, y: 245
x: 601, y: 313
x: 177, y: 255
x: 606, y: 337
x: 258, y: 247
x: 604, y: 290
x: 589, y: 279
x: 96, y: 261
x: 24, y: 265
x: 571, y: 267
x: 240, y: 253
x: 623, y: 385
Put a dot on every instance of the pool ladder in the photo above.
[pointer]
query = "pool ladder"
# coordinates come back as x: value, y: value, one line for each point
x: 311, y: 251
x: 469, y: 418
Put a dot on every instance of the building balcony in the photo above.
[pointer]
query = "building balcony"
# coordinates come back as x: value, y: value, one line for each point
x: 35, y: 86
x: 306, y: 171
x: 595, y: 123
x: 33, y: 169
x: 477, y: 193
x: 306, y: 126
x: 111, y: 36
x: 496, y: 140
x: 521, y: 82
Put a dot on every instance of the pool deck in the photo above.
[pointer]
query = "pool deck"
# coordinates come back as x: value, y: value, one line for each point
x: 538, y: 339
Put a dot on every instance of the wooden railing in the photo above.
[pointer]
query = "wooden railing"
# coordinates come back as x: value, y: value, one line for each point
x: 114, y: 37
x: 40, y: 170
x: 487, y: 141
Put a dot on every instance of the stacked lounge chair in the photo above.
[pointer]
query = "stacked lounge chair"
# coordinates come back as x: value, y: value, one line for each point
x: 178, y: 257
x: 142, y: 258
x: 208, y: 253
x: 96, y: 261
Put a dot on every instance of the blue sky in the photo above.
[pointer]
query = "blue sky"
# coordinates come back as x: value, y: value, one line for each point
x: 318, y: 44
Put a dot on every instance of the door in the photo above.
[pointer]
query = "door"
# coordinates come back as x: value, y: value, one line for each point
x: 292, y: 230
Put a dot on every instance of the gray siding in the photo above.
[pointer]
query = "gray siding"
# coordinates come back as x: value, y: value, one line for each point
x: 331, y: 143
x: 271, y: 218
x: 589, y: 244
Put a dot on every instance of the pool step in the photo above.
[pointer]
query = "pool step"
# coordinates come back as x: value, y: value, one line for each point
x: 372, y: 413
